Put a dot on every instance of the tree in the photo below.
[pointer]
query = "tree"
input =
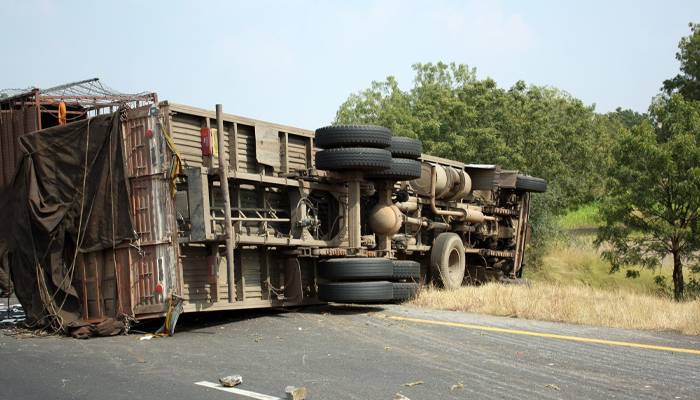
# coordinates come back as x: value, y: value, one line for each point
x: 539, y: 130
x: 687, y: 83
x: 653, y: 207
x: 628, y: 118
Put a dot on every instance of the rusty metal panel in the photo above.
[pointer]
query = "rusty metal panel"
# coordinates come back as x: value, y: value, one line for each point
x: 153, y: 277
x: 153, y: 260
x: 267, y: 146
x: 152, y: 209
x: 137, y: 278
x: 145, y: 147
x: 126, y: 281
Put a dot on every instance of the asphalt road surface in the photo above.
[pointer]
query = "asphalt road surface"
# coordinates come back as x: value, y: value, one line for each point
x: 340, y: 352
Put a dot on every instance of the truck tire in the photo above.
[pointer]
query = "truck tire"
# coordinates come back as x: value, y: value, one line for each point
x: 404, y: 291
x: 401, y: 169
x: 356, y: 292
x: 359, y: 159
x: 530, y: 184
x: 447, y: 260
x: 406, y: 269
x: 336, y: 136
x: 403, y: 147
x: 359, y: 268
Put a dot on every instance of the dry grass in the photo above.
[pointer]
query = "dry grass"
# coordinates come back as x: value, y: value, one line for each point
x: 575, y: 303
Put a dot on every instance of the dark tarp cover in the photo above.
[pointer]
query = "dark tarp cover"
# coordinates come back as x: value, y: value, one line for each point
x: 70, y: 192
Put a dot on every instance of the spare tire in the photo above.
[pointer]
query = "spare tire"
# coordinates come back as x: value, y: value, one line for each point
x: 404, y: 147
x: 356, y: 292
x: 530, y: 184
x: 406, y: 269
x: 404, y: 291
x: 401, y: 169
x: 359, y: 158
x: 336, y: 136
x: 356, y: 268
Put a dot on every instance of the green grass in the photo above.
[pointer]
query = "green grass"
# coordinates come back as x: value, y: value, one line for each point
x: 577, y: 260
x: 586, y: 217
x: 574, y: 258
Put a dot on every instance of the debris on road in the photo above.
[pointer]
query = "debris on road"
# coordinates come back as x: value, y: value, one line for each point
x: 11, y: 314
x: 399, y: 396
x: 412, y: 384
x: 552, y: 386
x: 231, y: 380
x: 146, y: 337
x: 457, y: 386
x: 295, y: 393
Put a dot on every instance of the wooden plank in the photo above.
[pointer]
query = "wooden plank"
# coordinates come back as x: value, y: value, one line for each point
x: 198, y: 200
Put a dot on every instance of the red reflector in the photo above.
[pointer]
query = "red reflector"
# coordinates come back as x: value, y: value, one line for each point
x: 206, y: 142
x: 159, y: 288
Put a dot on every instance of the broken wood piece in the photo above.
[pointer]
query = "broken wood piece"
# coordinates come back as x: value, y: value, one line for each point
x: 295, y: 393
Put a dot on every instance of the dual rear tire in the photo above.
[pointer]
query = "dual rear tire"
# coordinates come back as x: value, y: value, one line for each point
x: 405, y: 166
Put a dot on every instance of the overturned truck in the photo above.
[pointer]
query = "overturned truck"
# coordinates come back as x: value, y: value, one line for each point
x: 224, y: 212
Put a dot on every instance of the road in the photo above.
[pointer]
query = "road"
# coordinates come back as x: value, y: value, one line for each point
x: 345, y: 352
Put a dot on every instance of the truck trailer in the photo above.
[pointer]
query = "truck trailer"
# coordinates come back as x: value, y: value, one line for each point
x: 224, y: 212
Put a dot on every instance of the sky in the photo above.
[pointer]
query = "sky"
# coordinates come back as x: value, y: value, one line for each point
x: 295, y: 62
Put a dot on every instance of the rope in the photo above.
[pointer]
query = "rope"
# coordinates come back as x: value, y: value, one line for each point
x: 176, y: 160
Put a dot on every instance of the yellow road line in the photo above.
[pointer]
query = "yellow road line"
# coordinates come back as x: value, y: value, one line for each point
x: 546, y: 335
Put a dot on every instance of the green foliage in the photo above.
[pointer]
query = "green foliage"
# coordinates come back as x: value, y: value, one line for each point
x: 626, y: 118
x: 687, y: 83
x: 653, y: 206
x: 584, y: 217
x: 576, y: 259
x: 539, y: 130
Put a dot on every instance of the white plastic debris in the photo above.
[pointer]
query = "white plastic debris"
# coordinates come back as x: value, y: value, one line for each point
x: 146, y: 337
